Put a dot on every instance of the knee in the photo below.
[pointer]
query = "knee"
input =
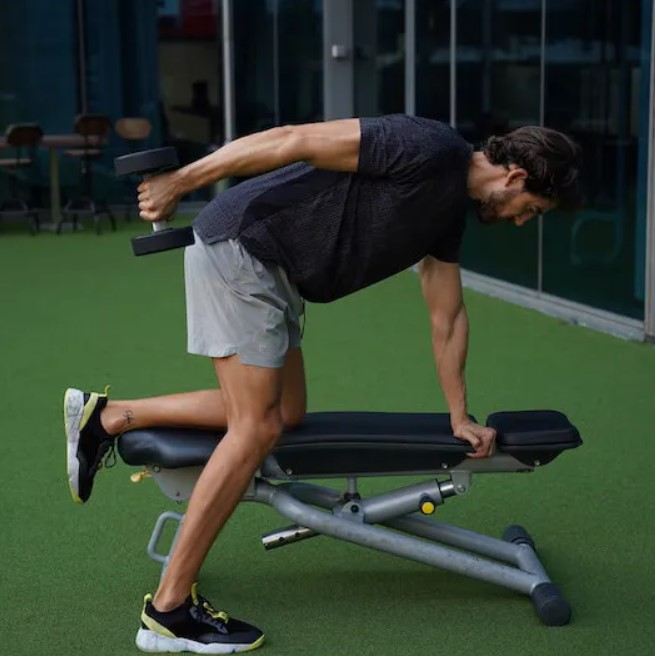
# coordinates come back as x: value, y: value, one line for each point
x: 293, y: 417
x: 263, y: 432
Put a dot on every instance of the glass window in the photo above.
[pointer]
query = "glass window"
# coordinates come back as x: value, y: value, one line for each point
x: 38, y: 80
x: 299, y: 46
x: 278, y: 63
x: 190, y: 77
x: 597, y: 73
x: 498, y: 89
x: 433, y: 59
x: 379, y: 29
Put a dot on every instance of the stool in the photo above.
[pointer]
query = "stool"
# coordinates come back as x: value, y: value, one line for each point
x: 94, y: 129
x: 133, y: 131
x: 22, y: 137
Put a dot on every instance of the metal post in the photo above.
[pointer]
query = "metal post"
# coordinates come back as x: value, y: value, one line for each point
x: 338, y: 56
x: 228, y: 71
x: 410, y: 57
x: 453, y: 66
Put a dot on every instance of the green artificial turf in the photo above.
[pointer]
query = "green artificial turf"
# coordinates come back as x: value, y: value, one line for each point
x: 79, y: 310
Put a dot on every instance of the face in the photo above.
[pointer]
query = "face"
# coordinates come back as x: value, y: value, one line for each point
x: 511, y: 203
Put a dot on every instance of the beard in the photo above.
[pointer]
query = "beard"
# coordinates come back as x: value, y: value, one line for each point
x: 489, y: 210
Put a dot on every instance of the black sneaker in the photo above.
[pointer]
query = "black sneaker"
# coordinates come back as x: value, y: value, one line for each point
x: 194, y: 627
x: 87, y: 442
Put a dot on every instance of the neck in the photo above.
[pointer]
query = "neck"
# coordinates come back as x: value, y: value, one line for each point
x: 481, y: 173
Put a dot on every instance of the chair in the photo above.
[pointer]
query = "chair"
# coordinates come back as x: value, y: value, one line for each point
x: 94, y: 128
x: 132, y: 130
x: 23, y: 137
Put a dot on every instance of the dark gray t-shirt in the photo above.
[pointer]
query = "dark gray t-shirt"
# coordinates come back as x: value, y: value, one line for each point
x: 335, y: 233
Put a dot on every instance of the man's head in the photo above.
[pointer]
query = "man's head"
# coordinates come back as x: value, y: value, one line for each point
x: 533, y: 170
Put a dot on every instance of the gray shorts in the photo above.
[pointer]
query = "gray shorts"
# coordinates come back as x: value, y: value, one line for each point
x: 239, y: 305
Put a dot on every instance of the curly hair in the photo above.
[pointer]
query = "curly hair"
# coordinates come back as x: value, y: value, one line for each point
x: 551, y: 159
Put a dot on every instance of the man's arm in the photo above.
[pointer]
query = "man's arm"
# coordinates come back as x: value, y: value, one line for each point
x: 330, y: 145
x: 442, y: 289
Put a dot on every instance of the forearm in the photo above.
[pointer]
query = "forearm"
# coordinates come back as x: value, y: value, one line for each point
x: 450, y: 345
x: 246, y: 156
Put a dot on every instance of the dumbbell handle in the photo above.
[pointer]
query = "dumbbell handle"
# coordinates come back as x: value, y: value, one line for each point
x: 157, y: 225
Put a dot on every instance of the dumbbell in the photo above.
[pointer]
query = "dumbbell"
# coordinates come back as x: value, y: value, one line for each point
x: 151, y: 162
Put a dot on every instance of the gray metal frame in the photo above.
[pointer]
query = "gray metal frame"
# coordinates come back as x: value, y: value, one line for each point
x: 227, y: 24
x: 410, y: 57
x: 338, y: 54
x: 389, y: 523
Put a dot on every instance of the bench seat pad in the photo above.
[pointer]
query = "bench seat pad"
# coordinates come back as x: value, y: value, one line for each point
x: 364, y: 442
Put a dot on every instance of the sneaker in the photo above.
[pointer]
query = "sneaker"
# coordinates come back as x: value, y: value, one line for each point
x: 196, y: 627
x: 87, y: 442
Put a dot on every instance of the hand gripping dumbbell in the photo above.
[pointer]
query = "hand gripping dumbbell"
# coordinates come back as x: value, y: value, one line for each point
x: 151, y: 162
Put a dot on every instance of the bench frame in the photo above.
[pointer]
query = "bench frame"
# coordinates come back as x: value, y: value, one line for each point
x: 389, y: 522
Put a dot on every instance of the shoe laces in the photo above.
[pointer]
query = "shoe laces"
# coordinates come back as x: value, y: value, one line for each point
x: 205, y: 606
x: 213, y: 613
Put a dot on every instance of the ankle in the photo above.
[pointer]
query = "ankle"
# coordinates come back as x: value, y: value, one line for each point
x: 116, y: 418
x: 166, y: 603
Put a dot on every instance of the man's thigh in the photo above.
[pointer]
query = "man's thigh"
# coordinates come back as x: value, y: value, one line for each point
x: 294, y: 388
x: 250, y: 393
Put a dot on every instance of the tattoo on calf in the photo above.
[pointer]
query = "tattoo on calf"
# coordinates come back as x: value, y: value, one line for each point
x: 128, y: 415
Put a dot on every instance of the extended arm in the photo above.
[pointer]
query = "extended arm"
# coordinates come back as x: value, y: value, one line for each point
x: 442, y: 290
x: 331, y: 145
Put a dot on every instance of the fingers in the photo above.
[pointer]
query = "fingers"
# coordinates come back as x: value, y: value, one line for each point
x: 149, y: 216
x: 469, y: 435
x: 481, y: 438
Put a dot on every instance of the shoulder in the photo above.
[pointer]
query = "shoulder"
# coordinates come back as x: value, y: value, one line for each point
x: 413, y: 124
x: 424, y: 133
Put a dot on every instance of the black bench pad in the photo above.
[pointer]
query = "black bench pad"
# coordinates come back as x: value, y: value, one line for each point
x: 364, y: 442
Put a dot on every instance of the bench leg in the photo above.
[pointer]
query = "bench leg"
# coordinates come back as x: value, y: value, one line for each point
x: 527, y: 576
x: 163, y: 559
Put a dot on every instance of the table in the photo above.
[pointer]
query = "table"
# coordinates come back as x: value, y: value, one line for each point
x: 53, y: 142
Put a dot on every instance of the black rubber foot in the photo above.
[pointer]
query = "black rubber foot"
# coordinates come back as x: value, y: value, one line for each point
x: 518, y: 535
x: 550, y: 605
x: 163, y: 240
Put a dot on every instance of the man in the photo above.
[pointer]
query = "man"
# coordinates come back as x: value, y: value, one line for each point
x: 345, y: 204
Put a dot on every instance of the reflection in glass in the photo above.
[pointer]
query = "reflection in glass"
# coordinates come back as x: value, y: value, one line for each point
x: 433, y: 59
x: 597, y: 75
x: 278, y: 63
x: 379, y: 37
x: 498, y: 89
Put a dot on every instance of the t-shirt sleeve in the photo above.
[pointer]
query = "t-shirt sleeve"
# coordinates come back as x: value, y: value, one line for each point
x: 448, y: 246
x: 404, y: 146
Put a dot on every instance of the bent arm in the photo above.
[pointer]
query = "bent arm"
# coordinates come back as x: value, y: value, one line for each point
x: 442, y: 290
x: 331, y: 145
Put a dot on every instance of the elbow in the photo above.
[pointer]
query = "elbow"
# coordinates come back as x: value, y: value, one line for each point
x: 293, y: 143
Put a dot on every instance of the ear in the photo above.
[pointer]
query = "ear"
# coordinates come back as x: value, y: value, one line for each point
x: 516, y: 175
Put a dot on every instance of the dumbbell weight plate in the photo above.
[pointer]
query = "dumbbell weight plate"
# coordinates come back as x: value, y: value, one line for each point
x: 163, y: 240
x: 147, y: 161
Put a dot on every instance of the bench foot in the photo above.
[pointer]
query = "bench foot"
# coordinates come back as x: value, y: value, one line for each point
x: 550, y: 605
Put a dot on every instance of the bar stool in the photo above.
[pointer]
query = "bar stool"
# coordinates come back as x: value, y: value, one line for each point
x: 23, y: 137
x: 94, y: 128
x: 134, y: 131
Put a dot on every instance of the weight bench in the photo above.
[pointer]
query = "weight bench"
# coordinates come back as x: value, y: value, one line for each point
x: 353, y: 444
